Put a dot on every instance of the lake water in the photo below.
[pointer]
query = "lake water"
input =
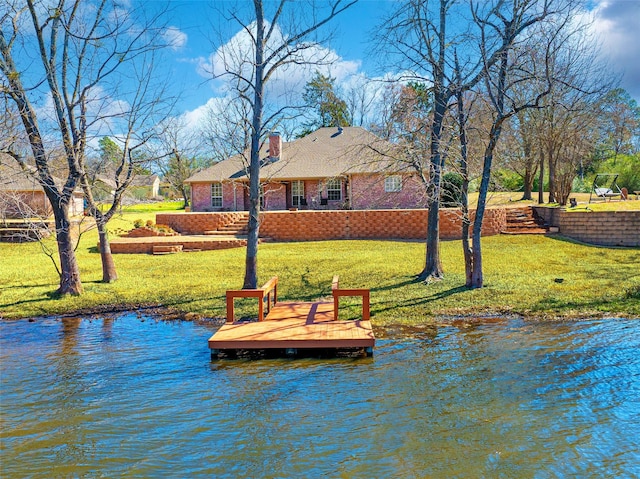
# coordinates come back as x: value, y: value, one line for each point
x: 127, y: 397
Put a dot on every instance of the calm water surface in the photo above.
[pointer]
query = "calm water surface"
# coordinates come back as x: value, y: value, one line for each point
x: 131, y: 398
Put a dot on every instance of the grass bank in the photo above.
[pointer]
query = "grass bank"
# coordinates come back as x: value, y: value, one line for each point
x: 527, y: 275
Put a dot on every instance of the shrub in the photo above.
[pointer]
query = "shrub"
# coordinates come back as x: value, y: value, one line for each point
x: 138, y: 223
x: 626, y: 166
x: 149, y: 224
x: 451, y: 190
x: 507, y: 180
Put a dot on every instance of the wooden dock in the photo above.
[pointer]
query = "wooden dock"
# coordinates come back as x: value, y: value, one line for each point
x: 288, y: 327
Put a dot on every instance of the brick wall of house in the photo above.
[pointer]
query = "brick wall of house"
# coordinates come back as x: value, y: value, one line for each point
x: 368, y: 191
x: 275, y: 196
x: 200, y: 196
x: 616, y: 228
x: 337, y: 224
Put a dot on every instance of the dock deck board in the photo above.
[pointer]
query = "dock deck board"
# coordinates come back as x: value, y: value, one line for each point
x: 299, y: 325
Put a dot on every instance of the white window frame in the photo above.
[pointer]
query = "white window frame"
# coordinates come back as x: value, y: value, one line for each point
x: 334, y: 185
x: 297, y: 192
x: 216, y: 194
x: 393, y: 184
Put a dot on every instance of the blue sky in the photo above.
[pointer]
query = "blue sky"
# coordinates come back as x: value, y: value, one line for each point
x: 616, y: 22
x: 196, y: 21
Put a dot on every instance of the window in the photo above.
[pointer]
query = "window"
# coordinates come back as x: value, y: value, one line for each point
x: 297, y: 193
x: 334, y: 189
x: 393, y: 183
x: 216, y: 195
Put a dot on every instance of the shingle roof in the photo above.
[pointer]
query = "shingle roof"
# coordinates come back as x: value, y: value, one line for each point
x: 325, y: 153
x: 12, y: 178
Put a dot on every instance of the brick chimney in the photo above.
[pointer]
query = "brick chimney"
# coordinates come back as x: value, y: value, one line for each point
x: 275, y: 145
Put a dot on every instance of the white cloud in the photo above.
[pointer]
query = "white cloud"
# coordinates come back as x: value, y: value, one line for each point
x: 289, y: 80
x: 194, y: 119
x: 617, y: 24
x: 175, y: 38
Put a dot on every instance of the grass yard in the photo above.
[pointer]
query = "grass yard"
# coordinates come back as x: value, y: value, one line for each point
x: 534, y: 276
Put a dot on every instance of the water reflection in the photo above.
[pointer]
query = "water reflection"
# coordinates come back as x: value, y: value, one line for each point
x: 110, y: 398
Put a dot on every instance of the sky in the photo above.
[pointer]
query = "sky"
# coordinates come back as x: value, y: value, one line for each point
x: 195, y: 24
x: 616, y: 24
x: 198, y: 34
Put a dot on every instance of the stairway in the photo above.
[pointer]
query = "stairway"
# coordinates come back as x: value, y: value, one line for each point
x: 523, y: 221
x: 238, y: 228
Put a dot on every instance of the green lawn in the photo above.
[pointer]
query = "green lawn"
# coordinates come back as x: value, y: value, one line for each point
x: 535, y: 276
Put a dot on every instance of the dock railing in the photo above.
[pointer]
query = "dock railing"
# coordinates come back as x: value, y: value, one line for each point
x: 268, y: 294
x: 338, y: 293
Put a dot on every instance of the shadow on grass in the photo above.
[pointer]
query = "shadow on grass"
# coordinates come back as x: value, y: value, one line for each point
x: 627, y: 297
x: 565, y: 239
x: 383, y: 306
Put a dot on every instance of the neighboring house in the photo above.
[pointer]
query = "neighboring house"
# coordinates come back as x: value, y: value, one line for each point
x: 331, y: 168
x: 149, y: 183
x: 21, y: 196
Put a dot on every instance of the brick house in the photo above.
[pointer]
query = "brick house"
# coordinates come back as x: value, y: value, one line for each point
x: 331, y: 168
x: 21, y: 195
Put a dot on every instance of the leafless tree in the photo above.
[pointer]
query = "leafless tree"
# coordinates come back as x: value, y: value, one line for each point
x: 73, y: 56
x: 271, y: 52
x: 423, y: 38
x: 146, y: 108
x: 179, y: 149
x: 525, y: 62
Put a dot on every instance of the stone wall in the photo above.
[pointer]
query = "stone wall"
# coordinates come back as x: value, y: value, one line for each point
x: 338, y: 224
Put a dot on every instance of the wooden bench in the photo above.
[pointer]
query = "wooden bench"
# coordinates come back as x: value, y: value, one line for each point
x: 267, y: 297
x: 338, y: 293
x: 269, y: 291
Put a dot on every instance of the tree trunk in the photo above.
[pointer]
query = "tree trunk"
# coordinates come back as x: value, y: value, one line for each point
x: 477, y: 278
x: 441, y: 95
x: 433, y: 264
x: 251, y: 260
x: 69, y: 271
x: 528, y: 184
x: 109, y: 274
x: 541, y: 180
x: 552, y: 178
x: 185, y: 197
x: 464, y: 171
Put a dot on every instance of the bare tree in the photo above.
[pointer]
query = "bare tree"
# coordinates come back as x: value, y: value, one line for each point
x: 566, y: 127
x: 526, y: 62
x: 423, y: 38
x: 271, y: 52
x: 145, y: 109
x: 73, y: 55
x: 180, y: 148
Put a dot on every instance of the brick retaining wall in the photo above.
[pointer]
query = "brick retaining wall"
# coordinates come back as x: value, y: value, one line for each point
x: 612, y: 228
x: 339, y: 224
x: 123, y: 246
x: 604, y: 228
x: 197, y: 223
